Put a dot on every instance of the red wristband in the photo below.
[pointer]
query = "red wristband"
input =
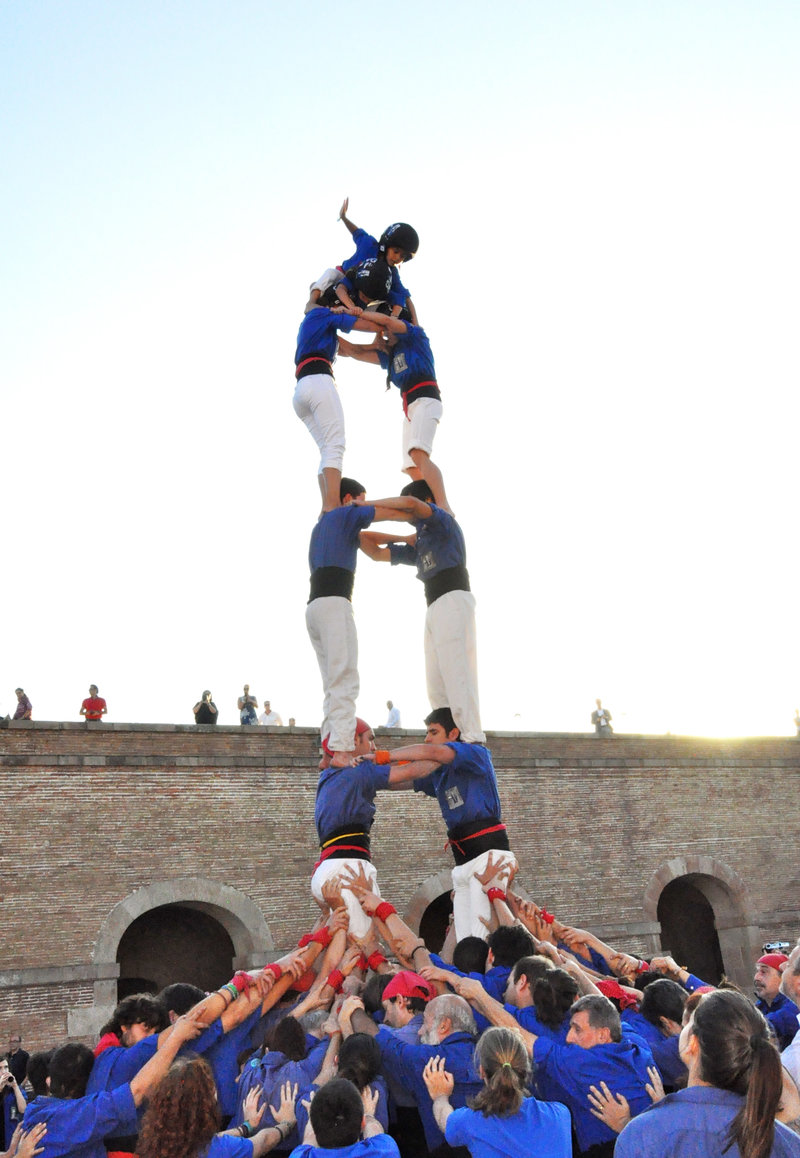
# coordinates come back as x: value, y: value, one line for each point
x: 381, y: 756
x: 322, y: 937
x: 362, y: 963
x: 384, y: 910
x: 496, y: 895
x: 335, y: 980
x: 643, y: 967
x: 275, y: 970
x: 548, y: 918
x: 241, y: 981
x: 306, y: 939
x: 375, y: 959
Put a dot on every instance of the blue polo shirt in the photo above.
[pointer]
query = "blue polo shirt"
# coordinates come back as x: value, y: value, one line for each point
x: 466, y: 788
x: 367, y: 247
x: 664, y: 1049
x: 381, y: 1146
x: 405, y: 1063
x: 76, y: 1127
x: 221, y: 1055
x: 565, y: 1072
x: 782, y: 1016
x: 694, y: 1123
x: 226, y: 1146
x: 318, y: 333
x: 528, y: 1019
x: 539, y: 1128
x: 440, y: 545
x: 410, y: 361
x: 334, y: 540
x: 347, y: 796
x: 494, y: 980
x: 119, y: 1064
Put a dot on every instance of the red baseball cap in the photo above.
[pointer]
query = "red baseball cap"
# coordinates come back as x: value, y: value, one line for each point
x: 408, y: 984
x: 774, y: 960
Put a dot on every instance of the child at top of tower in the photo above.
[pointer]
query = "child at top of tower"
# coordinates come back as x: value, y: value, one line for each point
x: 398, y: 243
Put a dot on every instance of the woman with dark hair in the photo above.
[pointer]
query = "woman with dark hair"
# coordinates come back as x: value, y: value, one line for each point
x: 553, y: 996
x: 733, y: 1095
x: 503, y: 1118
x: 182, y: 1119
x: 658, y: 1021
x: 357, y: 1059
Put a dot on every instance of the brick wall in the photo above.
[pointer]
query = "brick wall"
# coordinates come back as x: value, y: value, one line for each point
x: 93, y: 815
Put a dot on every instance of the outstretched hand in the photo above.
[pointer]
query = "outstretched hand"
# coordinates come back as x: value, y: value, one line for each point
x: 613, y: 1109
x: 439, y: 1083
x: 25, y: 1143
x: 655, y: 1087
x: 284, y: 1112
x: 357, y: 877
x: 253, y: 1108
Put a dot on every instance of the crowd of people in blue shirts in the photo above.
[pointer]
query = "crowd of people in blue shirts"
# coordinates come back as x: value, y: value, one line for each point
x: 538, y: 1040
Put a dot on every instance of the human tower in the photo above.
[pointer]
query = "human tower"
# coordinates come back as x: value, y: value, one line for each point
x: 365, y: 294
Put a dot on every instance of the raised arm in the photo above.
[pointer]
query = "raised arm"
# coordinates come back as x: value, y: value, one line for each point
x: 185, y: 1029
x: 351, y: 226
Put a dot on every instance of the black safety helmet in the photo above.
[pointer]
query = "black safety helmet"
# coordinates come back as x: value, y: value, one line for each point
x: 373, y: 278
x: 401, y: 236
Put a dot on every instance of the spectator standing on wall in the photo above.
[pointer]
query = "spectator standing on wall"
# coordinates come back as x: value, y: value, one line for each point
x: 393, y: 720
x: 94, y: 706
x: 601, y: 718
x: 24, y: 709
x: 247, y: 705
x: 269, y: 718
x: 205, y: 710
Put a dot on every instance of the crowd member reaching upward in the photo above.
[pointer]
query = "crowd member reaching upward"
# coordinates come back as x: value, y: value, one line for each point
x: 502, y: 1118
x: 733, y: 1094
x: 78, y: 1122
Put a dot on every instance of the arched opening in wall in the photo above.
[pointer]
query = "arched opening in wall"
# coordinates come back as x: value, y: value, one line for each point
x: 173, y: 943
x: 688, y: 925
x: 434, y: 922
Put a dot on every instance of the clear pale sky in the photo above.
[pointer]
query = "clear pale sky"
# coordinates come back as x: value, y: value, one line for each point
x: 606, y: 197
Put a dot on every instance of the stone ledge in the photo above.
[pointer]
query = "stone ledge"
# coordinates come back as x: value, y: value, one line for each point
x: 57, y: 975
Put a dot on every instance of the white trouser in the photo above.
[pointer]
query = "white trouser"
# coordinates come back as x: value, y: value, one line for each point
x: 360, y: 923
x: 316, y: 402
x: 419, y: 428
x: 329, y: 278
x: 451, y: 661
x: 332, y: 631
x: 470, y: 902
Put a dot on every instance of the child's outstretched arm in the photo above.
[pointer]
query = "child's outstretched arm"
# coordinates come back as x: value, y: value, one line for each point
x: 343, y: 216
